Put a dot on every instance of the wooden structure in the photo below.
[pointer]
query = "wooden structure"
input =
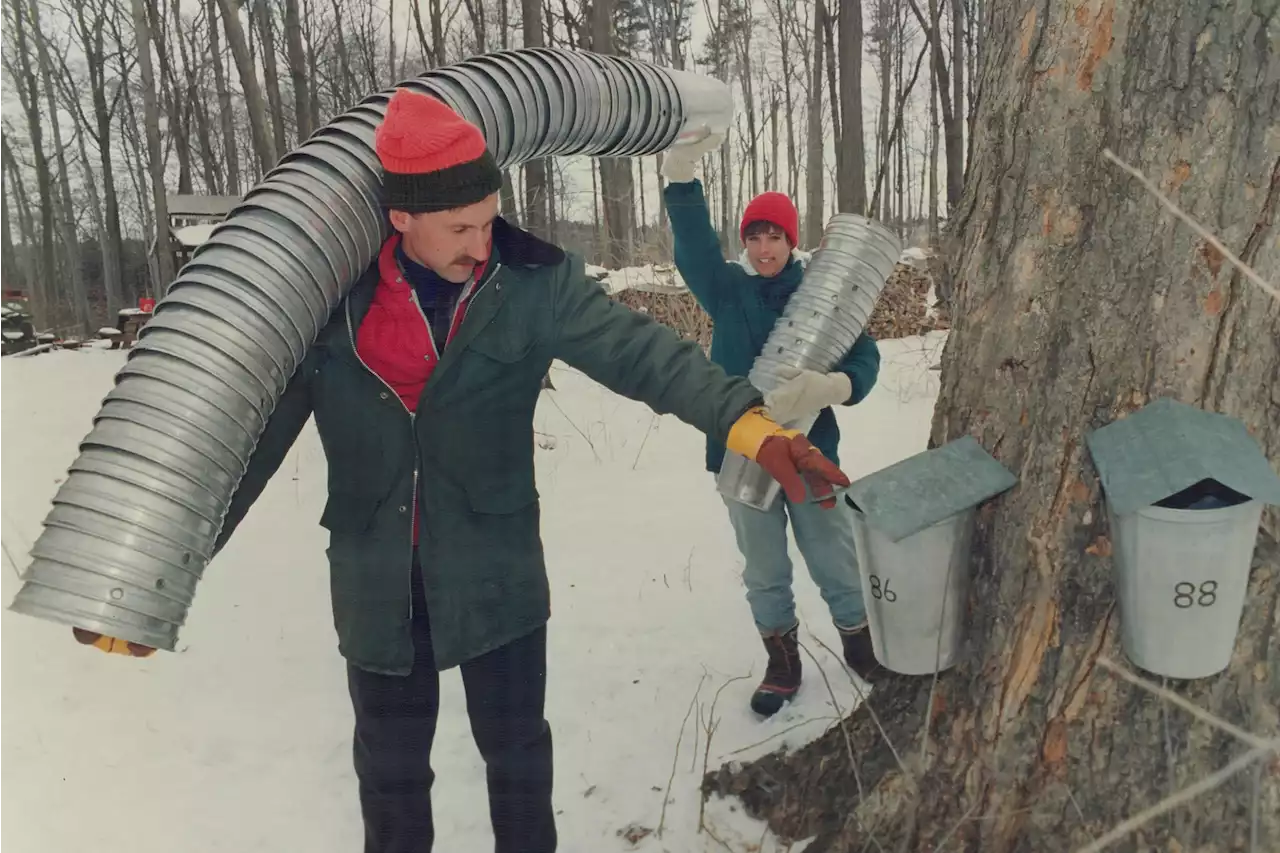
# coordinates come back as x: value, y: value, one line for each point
x: 192, y: 219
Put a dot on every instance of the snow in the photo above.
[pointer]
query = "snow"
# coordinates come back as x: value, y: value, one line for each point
x: 662, y: 278
x: 193, y: 235
x: 241, y: 741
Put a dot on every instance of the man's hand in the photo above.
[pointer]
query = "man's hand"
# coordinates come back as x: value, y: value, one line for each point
x: 111, y: 645
x: 679, y: 160
x: 788, y: 457
x: 807, y: 392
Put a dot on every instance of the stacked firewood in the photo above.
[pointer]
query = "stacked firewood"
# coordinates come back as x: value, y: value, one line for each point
x: 902, y: 310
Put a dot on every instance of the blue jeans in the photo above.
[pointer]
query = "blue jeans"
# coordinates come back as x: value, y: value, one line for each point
x: 825, y: 537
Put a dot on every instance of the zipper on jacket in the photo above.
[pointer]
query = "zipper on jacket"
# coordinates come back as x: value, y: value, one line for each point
x: 413, y: 437
x: 351, y: 335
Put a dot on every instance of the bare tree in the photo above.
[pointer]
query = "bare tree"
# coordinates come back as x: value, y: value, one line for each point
x: 537, y: 200
x: 616, y: 183
x: 226, y: 119
x: 814, y: 223
x: 66, y: 213
x: 851, y: 168
x: 298, y: 70
x: 263, y: 144
x: 261, y: 13
x: 151, y: 118
x: 23, y: 75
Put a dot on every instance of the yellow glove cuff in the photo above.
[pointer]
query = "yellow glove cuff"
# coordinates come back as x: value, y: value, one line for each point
x: 749, y: 432
x: 111, y: 645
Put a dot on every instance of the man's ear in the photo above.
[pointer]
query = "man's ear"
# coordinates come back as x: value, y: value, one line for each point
x: 400, y: 220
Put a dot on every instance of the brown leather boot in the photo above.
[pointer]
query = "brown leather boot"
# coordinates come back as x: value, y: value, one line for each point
x: 781, y: 676
x: 858, y: 651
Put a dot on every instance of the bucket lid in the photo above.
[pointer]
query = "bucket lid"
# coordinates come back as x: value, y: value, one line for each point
x: 1167, y: 447
x: 924, y: 489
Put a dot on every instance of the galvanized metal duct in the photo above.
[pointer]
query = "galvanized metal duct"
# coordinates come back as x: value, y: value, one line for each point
x: 820, y: 324
x: 134, y: 524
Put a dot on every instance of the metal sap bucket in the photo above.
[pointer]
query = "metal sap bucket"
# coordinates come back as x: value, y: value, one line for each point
x: 1181, y: 578
x: 915, y: 591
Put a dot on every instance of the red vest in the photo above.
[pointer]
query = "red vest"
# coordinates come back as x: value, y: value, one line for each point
x: 394, y: 340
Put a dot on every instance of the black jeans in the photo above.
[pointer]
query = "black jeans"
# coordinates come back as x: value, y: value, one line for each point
x: 396, y: 722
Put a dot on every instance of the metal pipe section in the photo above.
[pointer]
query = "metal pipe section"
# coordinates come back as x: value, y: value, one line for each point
x: 135, y: 522
x: 820, y: 324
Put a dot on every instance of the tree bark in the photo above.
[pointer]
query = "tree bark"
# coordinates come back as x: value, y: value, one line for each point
x: 1033, y: 746
x: 537, y: 201
x: 616, y: 183
x: 226, y: 119
x: 298, y: 69
x: 151, y: 122
x: 813, y: 220
x: 851, y: 162
x: 263, y: 145
x: 42, y: 303
x: 260, y: 12
x: 79, y: 296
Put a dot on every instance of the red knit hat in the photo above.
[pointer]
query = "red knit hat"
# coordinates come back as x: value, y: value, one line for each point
x: 432, y: 158
x: 775, y: 208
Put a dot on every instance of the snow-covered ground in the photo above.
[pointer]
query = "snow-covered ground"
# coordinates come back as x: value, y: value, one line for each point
x: 241, y: 741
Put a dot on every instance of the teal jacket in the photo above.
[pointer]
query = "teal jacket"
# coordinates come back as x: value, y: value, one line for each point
x: 744, y: 307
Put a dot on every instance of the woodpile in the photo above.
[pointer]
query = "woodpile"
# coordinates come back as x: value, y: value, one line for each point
x: 902, y: 311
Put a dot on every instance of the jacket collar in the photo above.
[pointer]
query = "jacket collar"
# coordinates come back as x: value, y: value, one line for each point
x: 516, y: 247
x: 798, y: 256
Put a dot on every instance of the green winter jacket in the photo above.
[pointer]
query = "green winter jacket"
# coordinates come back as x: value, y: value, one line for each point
x: 469, y: 449
x: 744, y: 307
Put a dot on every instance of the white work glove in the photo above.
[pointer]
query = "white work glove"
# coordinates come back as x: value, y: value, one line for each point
x: 679, y: 160
x: 806, y: 393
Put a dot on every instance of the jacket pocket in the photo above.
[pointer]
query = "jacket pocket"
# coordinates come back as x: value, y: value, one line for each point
x: 502, y: 348
x: 505, y: 496
x: 348, y: 514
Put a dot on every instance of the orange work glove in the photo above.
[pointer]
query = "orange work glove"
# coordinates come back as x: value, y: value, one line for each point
x: 111, y: 645
x: 788, y: 457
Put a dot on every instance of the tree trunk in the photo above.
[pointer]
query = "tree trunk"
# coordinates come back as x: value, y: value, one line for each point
x: 537, y: 202
x: 437, y: 33
x: 263, y: 145
x: 170, y: 103
x: 958, y: 79
x: 42, y: 303
x: 1032, y: 745
x: 934, y: 16
x: 66, y: 221
x: 851, y: 163
x: 26, y: 221
x: 884, y: 29
x: 813, y: 221
x: 114, y: 298
x: 785, y: 11
x: 226, y: 119
x: 261, y: 12
x: 298, y: 69
x: 151, y: 122
x: 616, y: 183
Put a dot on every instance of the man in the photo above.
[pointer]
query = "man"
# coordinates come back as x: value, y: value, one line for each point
x: 423, y: 386
x: 745, y: 298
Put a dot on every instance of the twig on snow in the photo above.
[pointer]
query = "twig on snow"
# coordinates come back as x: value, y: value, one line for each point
x: 875, y: 718
x: 710, y: 727
x: 844, y: 729
x: 662, y: 818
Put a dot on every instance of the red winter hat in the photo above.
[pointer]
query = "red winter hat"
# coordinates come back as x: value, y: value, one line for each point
x: 775, y: 208
x: 432, y: 158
